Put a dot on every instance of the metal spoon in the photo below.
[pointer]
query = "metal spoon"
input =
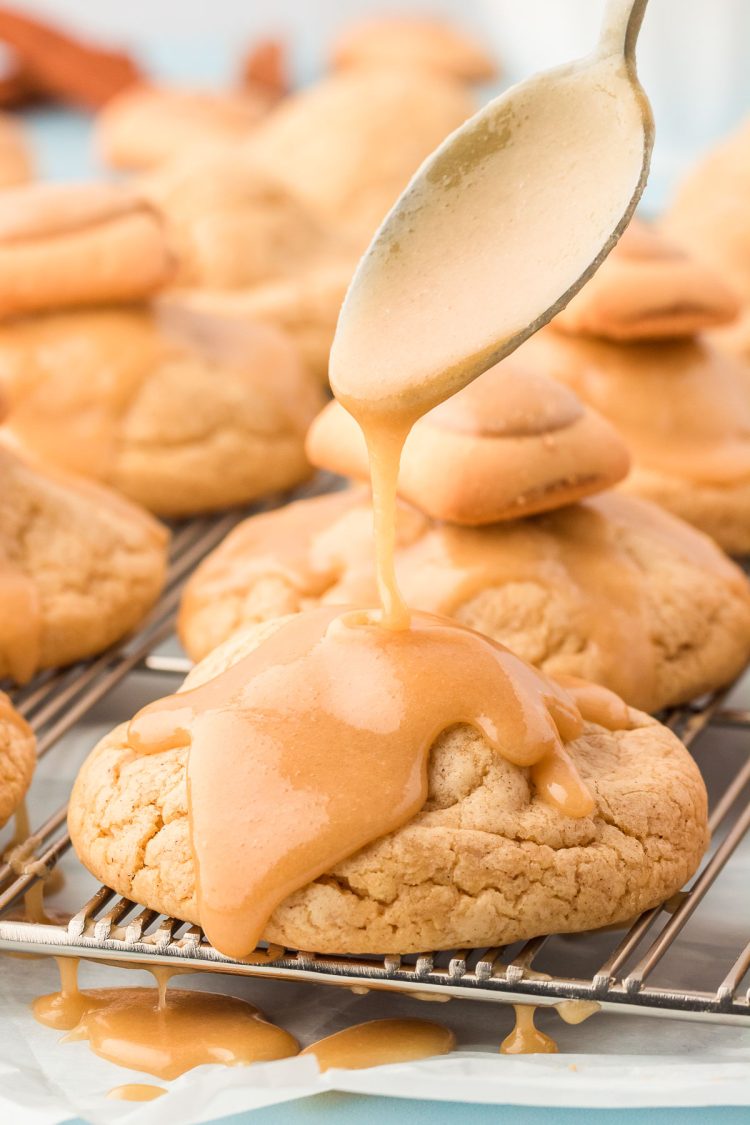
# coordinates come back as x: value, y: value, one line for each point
x: 497, y: 230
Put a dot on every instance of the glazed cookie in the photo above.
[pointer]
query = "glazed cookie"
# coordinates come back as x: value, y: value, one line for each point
x: 413, y: 44
x: 149, y: 125
x: 613, y: 590
x: 305, y: 308
x: 17, y: 758
x: 321, y: 142
x: 634, y: 344
x: 196, y: 414
x: 709, y: 217
x: 232, y: 225
x: 510, y: 444
x: 79, y: 567
x: 485, y: 862
x: 682, y: 406
x: 66, y: 245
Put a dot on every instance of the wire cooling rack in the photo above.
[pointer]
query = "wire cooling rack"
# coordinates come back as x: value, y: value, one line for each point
x: 615, y: 968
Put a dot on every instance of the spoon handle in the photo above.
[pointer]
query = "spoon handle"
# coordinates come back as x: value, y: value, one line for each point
x: 620, y: 26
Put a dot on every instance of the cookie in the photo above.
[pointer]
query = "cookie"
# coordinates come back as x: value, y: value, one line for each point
x: 613, y: 590
x: 67, y: 245
x: 321, y: 142
x: 511, y: 444
x: 231, y: 225
x: 145, y: 126
x: 16, y: 165
x: 192, y: 415
x: 79, y: 567
x: 682, y: 407
x: 649, y: 289
x: 484, y: 863
x: 709, y: 217
x: 413, y: 44
x: 17, y: 758
x: 304, y: 307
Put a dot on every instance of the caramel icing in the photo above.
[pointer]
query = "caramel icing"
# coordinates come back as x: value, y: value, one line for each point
x: 648, y: 289
x: 321, y: 548
x: 164, y: 1035
x: 380, y: 1043
x: 682, y: 406
x: 125, y: 1026
x: 135, y: 1092
x: 280, y: 743
x: 526, y: 1038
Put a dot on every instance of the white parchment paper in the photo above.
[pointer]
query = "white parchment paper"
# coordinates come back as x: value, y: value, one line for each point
x: 611, y: 1060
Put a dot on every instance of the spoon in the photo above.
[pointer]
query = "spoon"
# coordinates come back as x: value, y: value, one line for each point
x: 497, y: 230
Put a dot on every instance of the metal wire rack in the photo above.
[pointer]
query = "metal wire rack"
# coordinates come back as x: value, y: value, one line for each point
x: 618, y: 966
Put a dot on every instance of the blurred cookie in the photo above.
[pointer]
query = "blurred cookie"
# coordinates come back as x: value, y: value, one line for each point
x: 192, y: 415
x: 145, y: 126
x: 681, y: 406
x: 710, y: 217
x: 634, y: 345
x: 68, y: 245
x: 349, y: 144
x: 79, y: 567
x: 305, y: 307
x: 649, y: 289
x: 525, y: 869
x: 511, y: 444
x: 413, y: 44
x: 17, y: 758
x: 613, y: 590
x: 231, y: 225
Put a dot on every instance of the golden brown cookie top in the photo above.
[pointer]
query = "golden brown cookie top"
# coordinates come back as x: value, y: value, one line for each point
x: 65, y: 245
x: 510, y: 444
x: 648, y: 289
x: 416, y: 43
x: 147, y: 125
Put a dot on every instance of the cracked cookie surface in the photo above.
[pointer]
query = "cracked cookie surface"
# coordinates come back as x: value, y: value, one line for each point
x: 612, y: 590
x: 88, y: 564
x: 485, y: 862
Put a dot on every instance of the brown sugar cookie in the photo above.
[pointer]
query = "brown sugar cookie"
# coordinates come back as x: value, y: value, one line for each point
x: 17, y: 758
x: 613, y: 589
x: 414, y: 44
x: 148, y: 125
x: 485, y: 862
x: 232, y: 225
x: 79, y: 567
x: 196, y: 414
x: 647, y: 290
x: 681, y: 406
x: 67, y: 245
x: 511, y: 444
x: 349, y: 144
x: 709, y: 217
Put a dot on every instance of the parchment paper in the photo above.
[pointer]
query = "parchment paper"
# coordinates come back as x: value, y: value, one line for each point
x: 611, y: 1060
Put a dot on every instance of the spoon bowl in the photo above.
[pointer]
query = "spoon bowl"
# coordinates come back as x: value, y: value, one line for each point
x: 497, y: 230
